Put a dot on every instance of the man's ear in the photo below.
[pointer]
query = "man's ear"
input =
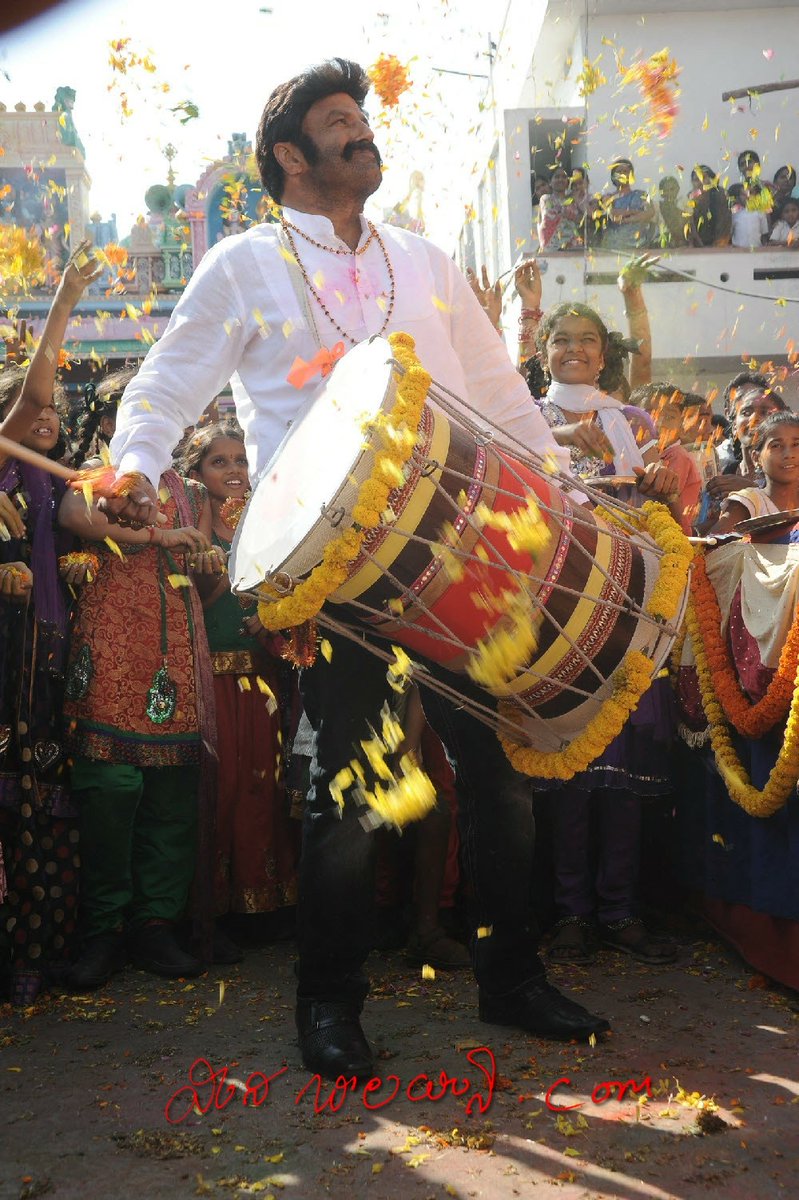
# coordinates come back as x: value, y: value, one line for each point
x: 289, y: 158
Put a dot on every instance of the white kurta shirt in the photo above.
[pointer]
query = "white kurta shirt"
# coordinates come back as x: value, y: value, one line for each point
x: 242, y: 318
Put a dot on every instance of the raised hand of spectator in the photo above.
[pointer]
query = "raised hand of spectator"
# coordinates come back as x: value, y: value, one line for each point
x: 527, y: 280
x: 636, y: 272
x: 489, y: 296
x: 82, y: 269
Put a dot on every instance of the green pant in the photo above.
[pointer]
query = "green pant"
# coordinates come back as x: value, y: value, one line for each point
x: 138, y: 829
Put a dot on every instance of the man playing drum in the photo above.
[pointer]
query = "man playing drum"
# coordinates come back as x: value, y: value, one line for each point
x: 325, y: 275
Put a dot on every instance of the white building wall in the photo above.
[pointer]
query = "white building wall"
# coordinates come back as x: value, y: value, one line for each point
x: 699, y: 328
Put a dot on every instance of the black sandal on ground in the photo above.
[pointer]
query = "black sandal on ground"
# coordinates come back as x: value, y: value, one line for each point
x: 631, y: 936
x: 573, y: 941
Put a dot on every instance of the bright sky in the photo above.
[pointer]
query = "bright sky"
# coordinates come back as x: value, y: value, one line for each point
x: 227, y: 64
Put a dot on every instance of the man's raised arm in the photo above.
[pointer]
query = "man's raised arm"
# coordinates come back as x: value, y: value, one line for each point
x: 190, y: 364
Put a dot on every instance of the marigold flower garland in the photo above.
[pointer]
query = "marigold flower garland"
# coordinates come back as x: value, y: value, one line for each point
x: 751, y: 720
x: 634, y: 675
x: 656, y: 520
x: 629, y: 684
x: 785, y: 772
x: 396, y: 432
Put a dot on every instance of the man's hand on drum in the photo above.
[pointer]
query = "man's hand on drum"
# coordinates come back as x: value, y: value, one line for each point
x: 658, y: 481
x: 135, y: 503
x: 587, y: 437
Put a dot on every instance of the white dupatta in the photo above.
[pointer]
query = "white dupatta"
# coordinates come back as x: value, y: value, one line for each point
x: 583, y: 398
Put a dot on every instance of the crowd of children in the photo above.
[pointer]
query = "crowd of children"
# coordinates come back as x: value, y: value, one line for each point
x: 747, y: 213
x: 148, y: 803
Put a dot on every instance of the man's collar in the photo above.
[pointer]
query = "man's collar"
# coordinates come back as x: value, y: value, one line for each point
x: 319, y: 227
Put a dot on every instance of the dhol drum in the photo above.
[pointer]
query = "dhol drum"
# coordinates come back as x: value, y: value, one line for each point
x: 588, y: 587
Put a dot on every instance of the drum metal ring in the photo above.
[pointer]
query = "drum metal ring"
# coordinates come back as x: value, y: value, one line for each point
x: 284, y: 582
x: 430, y: 465
x: 485, y: 438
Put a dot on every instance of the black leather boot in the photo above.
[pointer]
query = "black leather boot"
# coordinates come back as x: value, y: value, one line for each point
x: 538, y: 1007
x: 331, y: 1039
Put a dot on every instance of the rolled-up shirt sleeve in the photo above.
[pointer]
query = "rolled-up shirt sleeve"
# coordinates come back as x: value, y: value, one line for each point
x: 189, y: 365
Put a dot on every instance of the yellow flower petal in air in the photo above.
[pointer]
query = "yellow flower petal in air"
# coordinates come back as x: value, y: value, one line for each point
x: 375, y: 753
x: 265, y: 690
x: 341, y: 781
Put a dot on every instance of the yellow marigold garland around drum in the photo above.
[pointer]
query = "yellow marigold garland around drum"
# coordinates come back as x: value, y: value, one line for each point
x: 634, y: 675
x: 785, y: 772
x: 397, y: 434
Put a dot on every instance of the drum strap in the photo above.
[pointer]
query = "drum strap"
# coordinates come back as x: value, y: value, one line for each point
x: 300, y: 290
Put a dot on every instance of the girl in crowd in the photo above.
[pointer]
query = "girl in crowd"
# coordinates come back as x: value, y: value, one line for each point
x: 38, y: 831
x: 256, y: 841
x: 139, y: 706
x: 774, y: 449
x: 584, y: 365
x: 98, y: 420
x: 748, y: 400
x: 748, y: 865
x: 786, y: 229
x: 710, y: 218
x: 683, y: 424
x: 558, y: 216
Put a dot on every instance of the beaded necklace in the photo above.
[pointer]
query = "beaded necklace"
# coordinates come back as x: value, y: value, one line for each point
x: 373, y: 235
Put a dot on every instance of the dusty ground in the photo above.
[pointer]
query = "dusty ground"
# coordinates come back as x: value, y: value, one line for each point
x: 85, y: 1083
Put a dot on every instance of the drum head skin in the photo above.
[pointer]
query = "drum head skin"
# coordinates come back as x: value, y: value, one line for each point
x: 313, y: 468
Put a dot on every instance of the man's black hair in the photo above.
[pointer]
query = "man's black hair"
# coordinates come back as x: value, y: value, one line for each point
x: 744, y: 381
x: 287, y: 107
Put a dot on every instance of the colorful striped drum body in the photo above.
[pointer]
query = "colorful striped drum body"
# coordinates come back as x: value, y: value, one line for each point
x: 584, y: 581
x: 589, y: 584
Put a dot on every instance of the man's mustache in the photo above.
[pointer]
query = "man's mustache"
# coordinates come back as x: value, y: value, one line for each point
x: 363, y: 144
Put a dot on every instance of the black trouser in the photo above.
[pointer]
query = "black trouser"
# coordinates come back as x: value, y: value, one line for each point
x: 337, y: 870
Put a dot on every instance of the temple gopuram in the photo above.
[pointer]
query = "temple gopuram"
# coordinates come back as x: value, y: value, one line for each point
x: 45, y: 212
